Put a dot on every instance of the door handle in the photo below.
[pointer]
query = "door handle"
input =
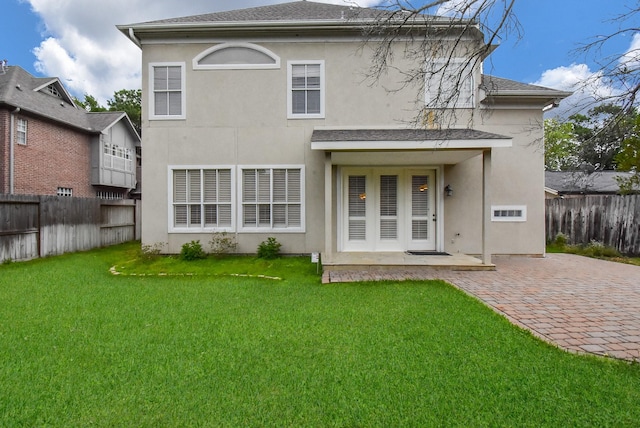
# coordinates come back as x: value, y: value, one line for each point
x: 434, y: 217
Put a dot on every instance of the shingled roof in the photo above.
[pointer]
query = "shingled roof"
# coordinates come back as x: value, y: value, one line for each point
x: 401, y: 135
x: 292, y: 11
x: 498, y: 86
x: 20, y: 89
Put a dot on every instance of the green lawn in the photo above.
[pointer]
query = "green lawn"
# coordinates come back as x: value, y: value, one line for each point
x: 83, y: 347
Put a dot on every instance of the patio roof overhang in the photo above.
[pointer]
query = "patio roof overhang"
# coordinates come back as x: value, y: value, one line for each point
x: 446, y: 146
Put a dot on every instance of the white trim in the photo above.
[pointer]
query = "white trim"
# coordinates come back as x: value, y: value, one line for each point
x: 250, y: 46
x: 404, y: 241
x: 510, y: 217
x: 183, y: 90
x: 290, y: 114
x: 20, y: 132
x: 240, y: 203
x: 412, y: 145
x: 170, y: 213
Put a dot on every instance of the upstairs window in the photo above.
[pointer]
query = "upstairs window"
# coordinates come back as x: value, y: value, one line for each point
x: 306, y: 89
x: 236, y: 56
x: 167, y: 81
x: 21, y: 132
x: 449, y: 84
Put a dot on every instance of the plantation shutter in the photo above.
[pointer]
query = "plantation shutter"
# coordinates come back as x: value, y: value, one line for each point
x: 180, y: 197
x: 388, y: 207
x: 224, y: 197
x: 420, y: 206
x: 279, y: 198
x: 250, y: 214
x: 357, y: 208
x: 294, y: 198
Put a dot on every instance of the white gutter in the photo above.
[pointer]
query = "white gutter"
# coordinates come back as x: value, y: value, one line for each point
x: 11, y: 151
x: 133, y: 38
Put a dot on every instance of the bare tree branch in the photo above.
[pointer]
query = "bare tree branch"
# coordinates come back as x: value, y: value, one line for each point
x: 437, y: 49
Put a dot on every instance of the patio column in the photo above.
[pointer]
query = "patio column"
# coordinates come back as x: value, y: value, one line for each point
x: 328, y: 209
x: 486, y: 207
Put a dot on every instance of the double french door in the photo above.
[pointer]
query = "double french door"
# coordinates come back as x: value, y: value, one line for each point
x: 388, y: 209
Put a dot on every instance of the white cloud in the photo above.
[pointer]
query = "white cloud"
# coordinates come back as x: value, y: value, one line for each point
x: 588, y: 87
x: 85, y: 50
x: 457, y: 8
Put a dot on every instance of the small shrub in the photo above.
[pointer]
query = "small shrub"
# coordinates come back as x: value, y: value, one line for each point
x: 598, y: 249
x: 222, y: 243
x: 151, y: 251
x: 192, y: 251
x: 269, y: 249
x: 561, y: 239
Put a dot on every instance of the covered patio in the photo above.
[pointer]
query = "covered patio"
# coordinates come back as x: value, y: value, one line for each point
x: 401, y: 148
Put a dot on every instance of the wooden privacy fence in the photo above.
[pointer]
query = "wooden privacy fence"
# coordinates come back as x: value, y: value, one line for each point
x: 39, y: 226
x: 613, y: 220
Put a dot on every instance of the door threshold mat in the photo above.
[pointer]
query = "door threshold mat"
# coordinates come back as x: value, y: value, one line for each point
x: 428, y: 253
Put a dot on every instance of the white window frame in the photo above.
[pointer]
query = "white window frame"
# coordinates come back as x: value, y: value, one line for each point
x: 271, y: 202
x: 202, y: 229
x: 456, y: 66
x: 64, y: 191
x: 249, y: 46
x: 21, y: 132
x: 511, y: 212
x: 152, y: 91
x: 290, y: 90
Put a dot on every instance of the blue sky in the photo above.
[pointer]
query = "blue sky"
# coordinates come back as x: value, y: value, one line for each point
x: 76, y: 40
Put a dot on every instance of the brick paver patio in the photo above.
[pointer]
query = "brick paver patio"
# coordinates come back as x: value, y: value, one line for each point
x: 578, y: 303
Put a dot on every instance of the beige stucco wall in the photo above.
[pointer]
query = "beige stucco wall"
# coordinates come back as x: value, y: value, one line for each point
x: 239, y: 117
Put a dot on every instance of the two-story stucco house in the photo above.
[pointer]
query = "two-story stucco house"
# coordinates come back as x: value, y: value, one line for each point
x: 49, y: 146
x: 257, y: 122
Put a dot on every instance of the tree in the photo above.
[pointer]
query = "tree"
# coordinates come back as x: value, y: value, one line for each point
x: 129, y: 101
x: 621, y: 72
x: 561, y: 148
x: 90, y: 103
x: 601, y: 133
x: 442, y: 41
x: 628, y: 159
x: 126, y: 100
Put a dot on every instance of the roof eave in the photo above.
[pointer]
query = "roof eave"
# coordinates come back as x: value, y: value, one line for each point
x: 306, y: 25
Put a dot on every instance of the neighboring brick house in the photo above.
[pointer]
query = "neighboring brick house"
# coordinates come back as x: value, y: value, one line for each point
x: 49, y: 146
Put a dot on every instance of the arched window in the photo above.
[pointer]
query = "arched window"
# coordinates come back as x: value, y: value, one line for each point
x: 240, y: 56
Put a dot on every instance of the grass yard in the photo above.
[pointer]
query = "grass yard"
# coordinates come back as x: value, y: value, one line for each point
x: 83, y: 347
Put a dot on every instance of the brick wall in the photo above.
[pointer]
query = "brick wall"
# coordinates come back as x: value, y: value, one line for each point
x: 53, y: 157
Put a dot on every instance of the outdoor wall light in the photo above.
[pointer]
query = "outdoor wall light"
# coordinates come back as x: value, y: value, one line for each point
x: 448, y: 190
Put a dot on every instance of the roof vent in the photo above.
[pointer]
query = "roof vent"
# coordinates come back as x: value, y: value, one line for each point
x: 18, y: 87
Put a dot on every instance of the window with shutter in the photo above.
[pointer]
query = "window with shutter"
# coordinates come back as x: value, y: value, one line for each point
x: 306, y: 89
x: 272, y: 198
x: 388, y: 207
x: 420, y: 207
x: 167, y: 90
x: 202, y: 199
